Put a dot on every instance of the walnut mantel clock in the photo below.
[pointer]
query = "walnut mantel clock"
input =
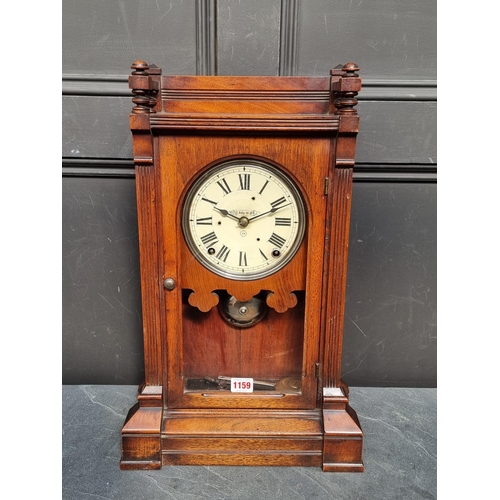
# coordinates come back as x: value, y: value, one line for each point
x: 244, y: 192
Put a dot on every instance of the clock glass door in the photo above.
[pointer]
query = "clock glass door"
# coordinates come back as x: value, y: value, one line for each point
x: 243, y: 340
x: 243, y: 220
x: 241, y: 318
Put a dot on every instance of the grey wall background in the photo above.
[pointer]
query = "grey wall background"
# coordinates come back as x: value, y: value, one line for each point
x: 390, y: 323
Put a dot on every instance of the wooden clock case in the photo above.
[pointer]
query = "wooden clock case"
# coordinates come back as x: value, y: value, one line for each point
x: 306, y: 127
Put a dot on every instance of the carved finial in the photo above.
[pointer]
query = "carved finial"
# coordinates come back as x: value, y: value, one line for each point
x: 139, y: 67
x: 145, y: 98
x: 347, y: 89
x: 350, y: 69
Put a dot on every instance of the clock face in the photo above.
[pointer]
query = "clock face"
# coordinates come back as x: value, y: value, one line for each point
x: 243, y: 219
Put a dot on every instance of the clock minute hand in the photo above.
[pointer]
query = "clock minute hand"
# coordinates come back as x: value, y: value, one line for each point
x: 274, y: 209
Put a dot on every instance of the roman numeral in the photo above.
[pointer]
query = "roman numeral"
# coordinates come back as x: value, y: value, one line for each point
x: 264, y: 187
x: 277, y: 240
x: 210, y: 201
x: 209, y: 239
x: 244, y: 181
x: 278, y: 202
x: 243, y: 259
x: 224, y: 186
x: 263, y: 254
x: 223, y: 253
x: 204, y: 221
x: 283, y: 221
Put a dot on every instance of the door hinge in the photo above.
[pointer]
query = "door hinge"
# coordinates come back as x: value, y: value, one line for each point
x: 316, y: 370
x: 326, y: 185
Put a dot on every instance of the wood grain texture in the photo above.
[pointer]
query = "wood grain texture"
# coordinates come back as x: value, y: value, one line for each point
x: 336, y: 274
x: 247, y: 438
x: 147, y: 222
x: 186, y: 338
x: 141, y: 444
x: 271, y: 349
x: 148, y: 250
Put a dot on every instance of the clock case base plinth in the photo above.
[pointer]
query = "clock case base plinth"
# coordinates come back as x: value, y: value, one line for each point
x: 180, y: 125
x: 331, y: 438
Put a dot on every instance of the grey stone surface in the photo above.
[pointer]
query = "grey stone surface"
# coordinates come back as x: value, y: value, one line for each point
x: 399, y: 455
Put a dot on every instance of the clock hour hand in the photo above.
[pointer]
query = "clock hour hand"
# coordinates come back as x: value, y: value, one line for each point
x: 226, y: 213
x: 274, y: 209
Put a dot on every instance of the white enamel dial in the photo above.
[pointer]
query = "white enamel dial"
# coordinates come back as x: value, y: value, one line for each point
x: 243, y: 219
